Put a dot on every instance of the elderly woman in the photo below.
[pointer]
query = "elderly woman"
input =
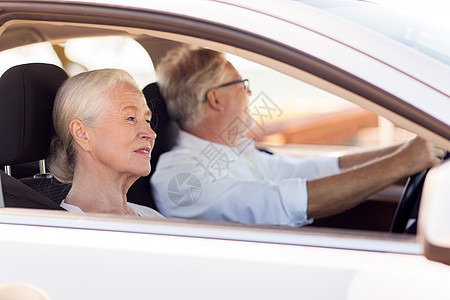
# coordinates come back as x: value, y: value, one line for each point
x: 103, y: 142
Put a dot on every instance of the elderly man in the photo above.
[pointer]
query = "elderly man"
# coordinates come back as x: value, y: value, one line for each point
x: 215, y: 173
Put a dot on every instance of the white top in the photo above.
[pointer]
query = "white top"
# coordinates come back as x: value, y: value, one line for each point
x: 142, y: 211
x: 204, y: 180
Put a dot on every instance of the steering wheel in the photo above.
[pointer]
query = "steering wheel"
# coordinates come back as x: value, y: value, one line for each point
x: 408, y: 206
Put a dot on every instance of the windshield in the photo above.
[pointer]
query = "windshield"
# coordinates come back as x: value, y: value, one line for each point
x: 431, y: 39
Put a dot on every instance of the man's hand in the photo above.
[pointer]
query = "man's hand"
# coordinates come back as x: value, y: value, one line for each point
x: 419, y: 154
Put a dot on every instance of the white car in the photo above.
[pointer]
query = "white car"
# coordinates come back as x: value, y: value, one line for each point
x: 392, y: 66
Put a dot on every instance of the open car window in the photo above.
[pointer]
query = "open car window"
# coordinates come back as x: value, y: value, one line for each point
x: 292, y: 117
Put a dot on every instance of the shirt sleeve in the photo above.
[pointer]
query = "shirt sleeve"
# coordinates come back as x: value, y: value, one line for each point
x: 282, y: 166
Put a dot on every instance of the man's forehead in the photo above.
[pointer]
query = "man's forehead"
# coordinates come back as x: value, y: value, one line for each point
x: 232, y: 72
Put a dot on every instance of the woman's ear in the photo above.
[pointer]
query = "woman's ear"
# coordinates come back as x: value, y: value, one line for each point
x: 80, y: 134
x: 214, y: 100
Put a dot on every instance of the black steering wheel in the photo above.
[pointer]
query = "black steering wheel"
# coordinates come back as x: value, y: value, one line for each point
x: 408, y: 207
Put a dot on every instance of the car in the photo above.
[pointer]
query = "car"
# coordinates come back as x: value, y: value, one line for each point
x: 374, y: 65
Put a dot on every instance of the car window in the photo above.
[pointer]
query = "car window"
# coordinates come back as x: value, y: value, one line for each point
x: 292, y: 117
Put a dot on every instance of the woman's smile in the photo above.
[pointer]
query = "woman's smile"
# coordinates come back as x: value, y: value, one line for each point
x: 144, y: 151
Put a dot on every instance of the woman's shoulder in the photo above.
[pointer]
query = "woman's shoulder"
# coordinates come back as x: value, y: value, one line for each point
x: 145, y: 211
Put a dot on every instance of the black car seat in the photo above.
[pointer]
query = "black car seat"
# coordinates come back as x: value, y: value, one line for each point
x: 27, y: 93
x: 166, y: 130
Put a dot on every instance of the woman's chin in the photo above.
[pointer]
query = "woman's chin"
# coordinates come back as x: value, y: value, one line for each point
x: 137, y: 173
x: 145, y: 172
x: 140, y: 169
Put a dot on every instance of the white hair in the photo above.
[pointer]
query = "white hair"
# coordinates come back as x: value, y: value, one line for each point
x: 80, y: 97
x: 185, y: 75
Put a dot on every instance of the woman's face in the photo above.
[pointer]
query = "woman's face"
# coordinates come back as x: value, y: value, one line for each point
x: 122, y: 139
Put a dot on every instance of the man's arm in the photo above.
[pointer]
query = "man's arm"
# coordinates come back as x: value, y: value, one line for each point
x: 334, y: 194
x: 354, y: 159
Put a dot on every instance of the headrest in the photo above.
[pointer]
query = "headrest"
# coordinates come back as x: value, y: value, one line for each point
x: 27, y: 93
x: 165, y: 128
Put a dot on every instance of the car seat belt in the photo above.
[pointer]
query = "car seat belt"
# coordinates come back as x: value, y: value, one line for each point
x: 14, y: 191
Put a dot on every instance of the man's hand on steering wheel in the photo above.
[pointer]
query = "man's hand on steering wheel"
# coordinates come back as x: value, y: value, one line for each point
x: 408, y: 206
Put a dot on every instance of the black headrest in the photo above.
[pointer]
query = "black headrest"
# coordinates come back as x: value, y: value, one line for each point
x: 166, y: 128
x: 27, y: 93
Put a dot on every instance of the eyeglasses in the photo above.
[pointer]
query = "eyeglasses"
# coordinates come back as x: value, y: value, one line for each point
x: 245, y: 82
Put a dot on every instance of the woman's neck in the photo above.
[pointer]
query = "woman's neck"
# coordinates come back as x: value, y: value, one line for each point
x: 100, y: 193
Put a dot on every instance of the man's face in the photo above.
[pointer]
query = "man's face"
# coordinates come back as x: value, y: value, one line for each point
x: 236, y: 102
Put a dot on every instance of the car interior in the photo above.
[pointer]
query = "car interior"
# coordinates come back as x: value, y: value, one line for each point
x: 27, y: 93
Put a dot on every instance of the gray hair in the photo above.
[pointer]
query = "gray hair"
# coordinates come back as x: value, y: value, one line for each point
x: 184, y: 76
x: 80, y: 97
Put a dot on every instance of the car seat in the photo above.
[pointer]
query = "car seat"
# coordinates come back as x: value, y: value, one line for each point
x: 27, y: 93
x: 166, y: 130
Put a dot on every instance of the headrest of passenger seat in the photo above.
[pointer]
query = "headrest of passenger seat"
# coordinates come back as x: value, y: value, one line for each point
x: 165, y: 128
x: 27, y: 93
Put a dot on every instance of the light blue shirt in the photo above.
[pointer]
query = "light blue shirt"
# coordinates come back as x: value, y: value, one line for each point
x: 199, y: 179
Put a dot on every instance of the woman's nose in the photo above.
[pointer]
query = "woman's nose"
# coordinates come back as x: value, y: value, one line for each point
x: 148, y: 133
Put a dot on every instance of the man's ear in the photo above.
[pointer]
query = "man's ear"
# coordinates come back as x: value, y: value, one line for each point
x: 214, y: 100
x: 80, y: 134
